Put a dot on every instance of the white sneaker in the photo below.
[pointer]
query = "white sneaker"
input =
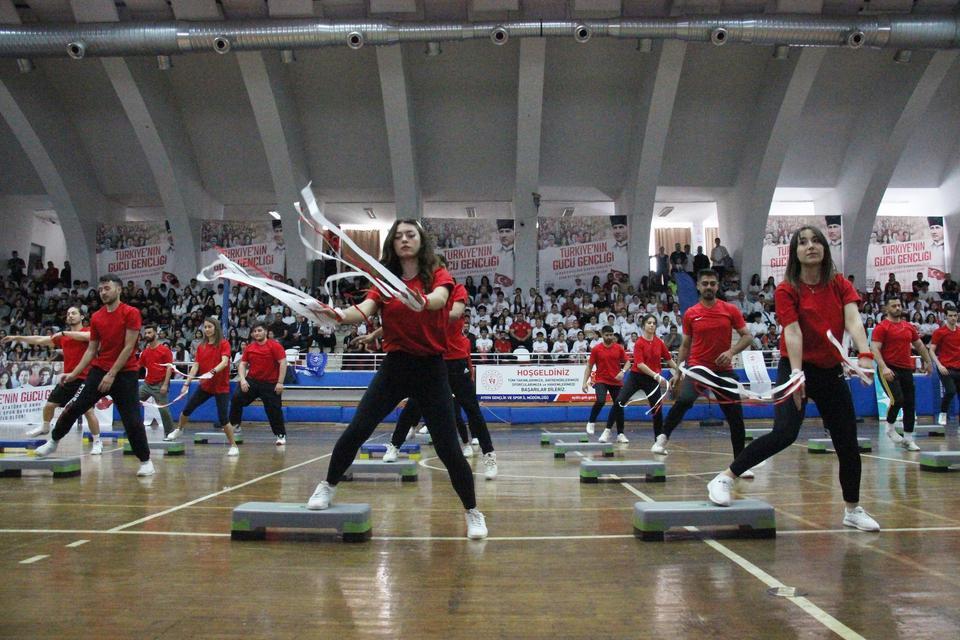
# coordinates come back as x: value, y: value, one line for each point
x: 490, y: 465
x: 475, y: 442
x: 423, y: 430
x: 622, y: 438
x: 322, y: 496
x: 173, y: 435
x: 719, y: 490
x: 895, y: 437
x: 237, y: 430
x: 233, y: 451
x: 391, y: 453
x: 281, y: 441
x: 660, y: 445
x: 476, y: 525
x: 748, y: 474
x: 46, y: 448
x: 590, y: 428
x: 39, y: 431
x: 467, y: 451
x: 146, y: 469
x: 97, y: 448
x: 860, y: 519
x: 605, y: 436
x: 909, y: 445
x: 941, y: 420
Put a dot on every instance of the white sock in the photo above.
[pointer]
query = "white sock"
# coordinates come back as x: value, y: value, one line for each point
x: 908, y: 436
x: 96, y: 437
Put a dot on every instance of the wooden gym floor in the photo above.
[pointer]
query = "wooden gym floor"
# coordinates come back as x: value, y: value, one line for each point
x: 108, y: 555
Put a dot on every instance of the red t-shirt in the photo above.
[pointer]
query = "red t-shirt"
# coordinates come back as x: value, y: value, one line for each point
x: 208, y: 357
x: 817, y: 309
x: 110, y: 329
x: 948, y: 346
x: 609, y: 362
x: 152, y: 359
x: 650, y: 353
x: 419, y: 333
x: 502, y: 346
x: 73, y: 351
x: 458, y: 345
x: 264, y: 360
x: 710, y: 330
x: 521, y: 329
x: 896, y: 339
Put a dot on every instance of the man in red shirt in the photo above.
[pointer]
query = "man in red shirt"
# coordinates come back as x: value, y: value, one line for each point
x: 156, y: 379
x: 608, y: 356
x: 707, y: 330
x: 73, y: 342
x: 520, y: 331
x: 946, y: 343
x: 261, y: 371
x: 890, y: 343
x: 114, y: 332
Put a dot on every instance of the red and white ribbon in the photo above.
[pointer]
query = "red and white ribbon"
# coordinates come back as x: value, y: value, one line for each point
x: 849, y: 363
x: 726, y: 386
x: 203, y: 376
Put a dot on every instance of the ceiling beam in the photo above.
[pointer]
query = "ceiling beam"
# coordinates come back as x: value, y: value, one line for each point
x: 399, y: 121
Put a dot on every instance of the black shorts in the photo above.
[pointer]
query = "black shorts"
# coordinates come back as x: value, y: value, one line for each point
x: 64, y: 393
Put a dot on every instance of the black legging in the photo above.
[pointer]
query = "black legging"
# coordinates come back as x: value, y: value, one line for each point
x: 902, y: 395
x: 465, y: 397
x: 640, y: 381
x: 423, y: 379
x: 124, y: 391
x: 950, y: 383
x: 829, y: 390
x: 199, y: 396
x: 616, y: 411
x: 271, y: 404
x: 729, y: 404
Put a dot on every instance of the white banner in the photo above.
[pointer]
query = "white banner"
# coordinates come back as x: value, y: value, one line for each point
x: 776, y: 242
x: 135, y: 251
x: 22, y: 406
x: 533, y: 383
x: 475, y: 248
x: 572, y: 249
x: 254, y: 245
x: 906, y: 246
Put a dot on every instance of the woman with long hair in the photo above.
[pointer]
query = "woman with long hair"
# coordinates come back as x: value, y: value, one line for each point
x: 642, y: 371
x: 212, y: 356
x: 414, y: 342
x: 813, y: 300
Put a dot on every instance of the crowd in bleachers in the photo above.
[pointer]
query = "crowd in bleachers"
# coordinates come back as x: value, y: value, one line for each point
x: 547, y: 325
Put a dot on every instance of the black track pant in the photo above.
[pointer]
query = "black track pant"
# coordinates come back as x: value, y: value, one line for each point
x: 199, y: 396
x: 902, y: 395
x: 616, y: 411
x: 642, y: 382
x: 410, y: 417
x: 729, y: 404
x: 423, y: 379
x: 950, y: 383
x: 829, y: 390
x: 125, y: 391
x: 271, y: 404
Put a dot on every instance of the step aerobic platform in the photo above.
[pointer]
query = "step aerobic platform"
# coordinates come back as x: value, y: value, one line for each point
x: 551, y: 437
x: 368, y: 451
x: 252, y: 520
x: 652, y: 470
x: 61, y: 467
x: 752, y: 434
x: 406, y: 469
x: 29, y: 444
x: 215, y: 437
x: 823, y: 445
x: 561, y: 449
x: 651, y: 520
x: 170, y: 448
x: 939, y: 460
x: 935, y: 430
x: 105, y: 435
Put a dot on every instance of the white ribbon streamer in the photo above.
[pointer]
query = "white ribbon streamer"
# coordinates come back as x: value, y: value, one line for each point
x: 704, y: 376
x: 849, y: 363
x: 204, y: 376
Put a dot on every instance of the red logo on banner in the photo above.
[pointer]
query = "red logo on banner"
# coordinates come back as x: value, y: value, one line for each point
x: 936, y: 274
x: 105, y: 403
x: 493, y: 380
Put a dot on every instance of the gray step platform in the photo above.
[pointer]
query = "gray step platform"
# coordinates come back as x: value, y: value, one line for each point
x: 367, y: 451
x: 61, y: 467
x: 30, y: 443
x: 172, y: 448
x: 421, y: 438
x: 652, y: 519
x: 551, y: 437
x: 215, y: 437
x: 105, y: 435
x: 251, y: 520
x: 652, y: 470
x: 934, y: 430
x: 756, y: 433
x: 561, y: 449
x: 406, y: 469
x: 939, y: 460
x: 823, y: 445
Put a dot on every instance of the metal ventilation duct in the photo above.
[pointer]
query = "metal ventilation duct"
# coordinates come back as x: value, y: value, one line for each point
x: 167, y: 38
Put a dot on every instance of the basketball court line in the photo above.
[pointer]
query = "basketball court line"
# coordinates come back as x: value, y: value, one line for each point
x: 33, y: 559
x: 802, y: 602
